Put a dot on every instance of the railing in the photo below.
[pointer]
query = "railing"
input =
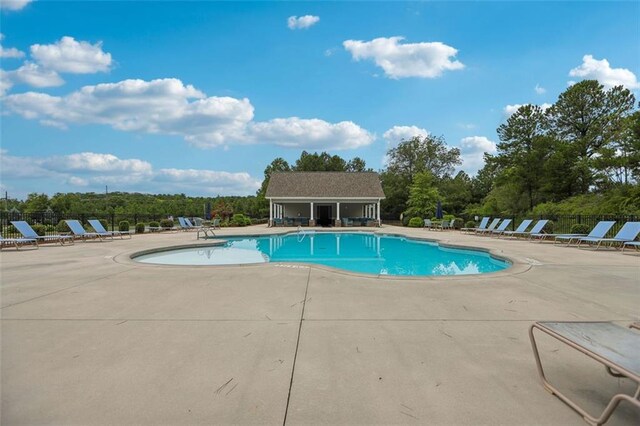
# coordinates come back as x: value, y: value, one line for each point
x: 50, y: 219
x: 561, y: 223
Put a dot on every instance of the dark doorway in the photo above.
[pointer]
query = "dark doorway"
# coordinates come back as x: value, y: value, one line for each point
x: 323, y: 214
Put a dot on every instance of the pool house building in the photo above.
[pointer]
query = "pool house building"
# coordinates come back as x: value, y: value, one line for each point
x: 324, y: 199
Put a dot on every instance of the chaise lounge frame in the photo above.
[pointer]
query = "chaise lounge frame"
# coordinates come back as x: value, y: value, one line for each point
x: 583, y: 337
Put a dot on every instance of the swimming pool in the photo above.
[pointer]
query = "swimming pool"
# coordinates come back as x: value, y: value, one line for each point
x: 356, y: 252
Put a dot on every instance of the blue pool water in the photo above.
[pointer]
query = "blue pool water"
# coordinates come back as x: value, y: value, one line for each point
x: 358, y: 252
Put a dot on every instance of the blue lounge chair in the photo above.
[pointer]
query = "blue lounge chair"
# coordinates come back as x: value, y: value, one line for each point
x: 627, y: 233
x: 519, y: 230
x: 97, y: 226
x: 598, y: 231
x: 27, y: 232
x: 483, y: 225
x: 489, y: 228
x: 635, y: 244
x: 500, y: 229
x: 184, y: 226
x: 17, y: 242
x: 536, y: 230
x: 78, y: 231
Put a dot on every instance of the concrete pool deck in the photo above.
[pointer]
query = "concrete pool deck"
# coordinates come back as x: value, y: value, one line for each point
x: 90, y: 338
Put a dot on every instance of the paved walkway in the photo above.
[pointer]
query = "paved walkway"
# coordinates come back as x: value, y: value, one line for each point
x: 89, y: 337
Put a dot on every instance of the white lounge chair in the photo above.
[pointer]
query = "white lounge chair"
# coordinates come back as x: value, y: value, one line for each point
x: 613, y: 346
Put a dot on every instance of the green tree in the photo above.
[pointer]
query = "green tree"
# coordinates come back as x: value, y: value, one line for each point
x: 458, y: 191
x: 36, y: 203
x: 423, y: 196
x: 589, y: 119
x: 427, y: 154
x: 523, y: 148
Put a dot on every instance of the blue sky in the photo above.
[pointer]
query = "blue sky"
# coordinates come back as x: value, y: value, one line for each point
x: 198, y: 97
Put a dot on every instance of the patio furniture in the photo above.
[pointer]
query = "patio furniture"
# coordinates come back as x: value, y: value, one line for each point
x: 627, y: 233
x: 347, y: 221
x: 483, y: 225
x: 489, y: 228
x: 17, y: 242
x: 278, y: 222
x: 428, y: 224
x: 500, y: 229
x: 27, y: 232
x: 519, y: 230
x: 97, y: 226
x: 598, y: 231
x: 613, y: 346
x: 635, y: 244
x: 78, y: 231
x: 446, y: 224
x: 186, y: 225
x: 216, y: 223
x: 536, y: 230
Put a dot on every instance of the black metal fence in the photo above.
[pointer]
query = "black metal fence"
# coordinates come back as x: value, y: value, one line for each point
x: 561, y: 224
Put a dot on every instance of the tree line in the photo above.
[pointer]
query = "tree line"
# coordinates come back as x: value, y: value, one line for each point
x: 581, y: 155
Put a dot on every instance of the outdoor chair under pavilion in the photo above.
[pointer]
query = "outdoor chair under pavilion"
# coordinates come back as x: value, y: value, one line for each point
x: 519, y: 230
x: 613, y: 346
x: 78, y: 231
x: 483, y: 225
x: 489, y: 228
x: 27, y: 232
x: 598, y: 231
x: 97, y: 226
x: 627, y: 233
x: 17, y: 242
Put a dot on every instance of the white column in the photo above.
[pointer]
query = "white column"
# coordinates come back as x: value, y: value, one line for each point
x: 311, y: 210
x: 270, y: 212
x: 337, y: 211
x: 378, y: 215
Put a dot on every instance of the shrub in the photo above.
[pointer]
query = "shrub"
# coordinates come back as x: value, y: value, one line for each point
x: 123, y: 226
x: 224, y: 223
x: 140, y: 228
x: 405, y: 220
x: 247, y: 221
x: 579, y: 228
x: 448, y: 217
x: 416, y: 222
x: 548, y: 228
x: 470, y: 224
x: 166, y: 223
x: 39, y: 228
x: 154, y: 224
x: 239, y: 220
x: 458, y: 223
x: 62, y: 227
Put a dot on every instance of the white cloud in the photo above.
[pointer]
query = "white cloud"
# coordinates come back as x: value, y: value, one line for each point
x: 399, y: 133
x: 472, y: 150
x: 509, y: 110
x: 167, y: 106
x: 540, y: 90
x: 71, y: 56
x: 93, y: 170
x: 5, y: 82
x: 36, y: 76
x: 11, y: 52
x: 314, y: 133
x: 424, y: 60
x: 13, y: 4
x: 600, y: 70
x: 302, y: 22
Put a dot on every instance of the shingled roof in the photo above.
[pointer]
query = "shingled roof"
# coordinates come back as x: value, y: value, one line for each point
x: 325, y: 185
